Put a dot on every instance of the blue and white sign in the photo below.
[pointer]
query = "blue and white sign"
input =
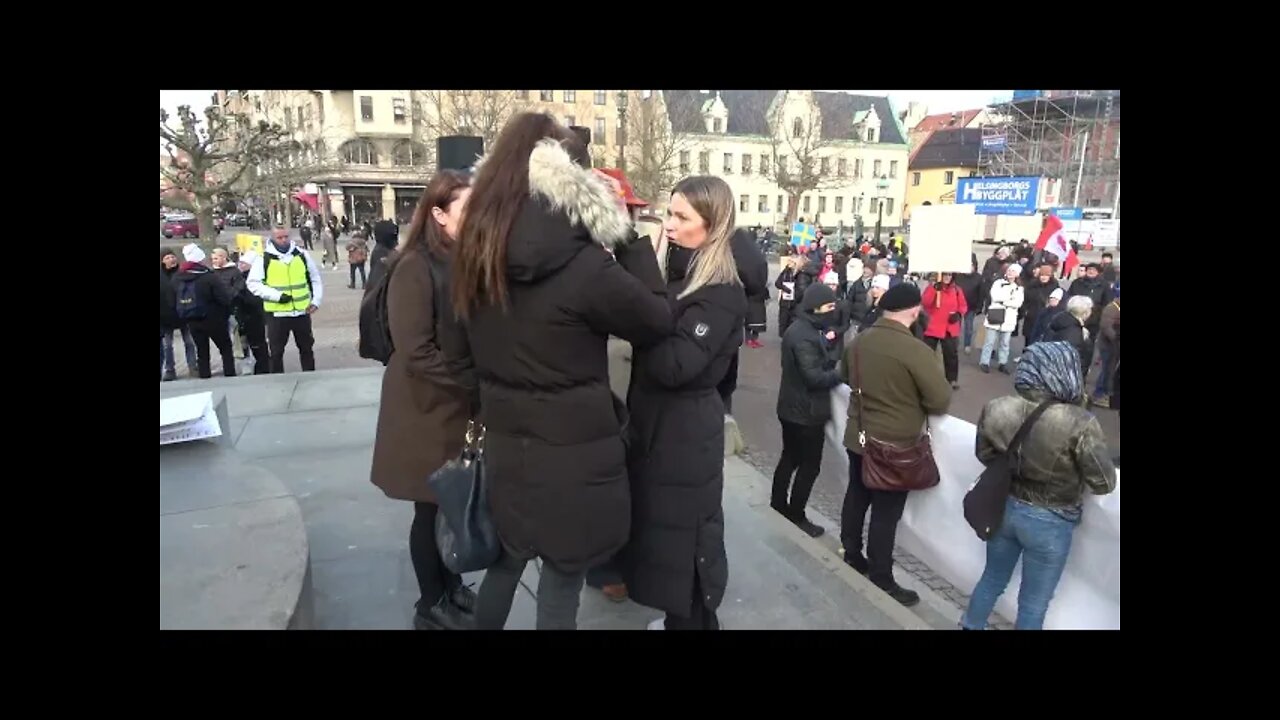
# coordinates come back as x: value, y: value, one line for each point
x: 999, y: 195
x: 1065, y: 213
x: 995, y: 143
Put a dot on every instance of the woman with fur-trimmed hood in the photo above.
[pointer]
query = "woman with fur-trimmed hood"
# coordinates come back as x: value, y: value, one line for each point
x: 547, y: 267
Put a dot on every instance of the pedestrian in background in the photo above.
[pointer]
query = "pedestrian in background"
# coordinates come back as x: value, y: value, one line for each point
x: 385, y: 238
x: 970, y: 284
x: 1063, y: 454
x: 226, y: 272
x: 859, y: 291
x: 252, y: 319
x: 1069, y: 327
x: 897, y: 384
x: 306, y: 233
x: 427, y: 399
x: 291, y: 287
x: 205, y: 303
x: 1046, y: 316
x: 947, y: 307
x: 1002, y: 316
x: 1106, y: 349
x: 357, y: 254
x: 804, y: 404
x: 329, y: 241
x: 171, y: 323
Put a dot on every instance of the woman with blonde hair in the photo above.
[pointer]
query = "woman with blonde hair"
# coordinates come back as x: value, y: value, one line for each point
x: 675, y: 560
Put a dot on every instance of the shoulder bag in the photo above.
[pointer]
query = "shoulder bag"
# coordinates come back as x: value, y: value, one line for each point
x: 465, y: 533
x: 886, y: 466
x: 984, y: 503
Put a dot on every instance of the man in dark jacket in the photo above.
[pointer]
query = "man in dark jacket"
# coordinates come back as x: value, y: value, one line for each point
x: 970, y: 284
x: 897, y: 383
x: 385, y: 235
x: 205, y: 302
x: 1036, y: 299
x: 252, y: 318
x: 1096, y: 289
x: 804, y: 403
x: 993, y: 268
x: 169, y: 321
x: 753, y: 271
x: 1108, y: 268
x: 1071, y: 327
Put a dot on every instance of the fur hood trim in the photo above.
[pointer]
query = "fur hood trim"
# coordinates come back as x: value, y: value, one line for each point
x: 578, y: 192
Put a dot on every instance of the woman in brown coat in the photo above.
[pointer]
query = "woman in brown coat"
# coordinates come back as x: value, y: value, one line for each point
x: 426, y: 400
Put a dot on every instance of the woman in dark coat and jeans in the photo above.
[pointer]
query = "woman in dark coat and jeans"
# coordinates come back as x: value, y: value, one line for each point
x: 426, y: 400
x: 675, y: 560
x: 540, y: 294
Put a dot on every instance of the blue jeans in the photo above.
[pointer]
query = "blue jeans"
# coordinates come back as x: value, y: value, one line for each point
x: 966, y: 325
x: 989, y: 344
x: 167, y: 362
x: 1042, y: 537
x: 1103, y: 386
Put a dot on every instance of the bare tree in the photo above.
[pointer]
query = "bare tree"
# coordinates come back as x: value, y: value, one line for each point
x: 208, y: 157
x: 798, y: 149
x: 467, y: 112
x: 655, y: 141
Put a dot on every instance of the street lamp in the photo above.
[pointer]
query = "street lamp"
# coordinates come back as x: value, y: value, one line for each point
x: 622, y: 130
x: 882, y: 186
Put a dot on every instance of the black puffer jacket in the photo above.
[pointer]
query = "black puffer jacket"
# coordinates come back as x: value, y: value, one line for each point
x: 1096, y: 290
x: 1066, y: 328
x: 857, y: 295
x: 753, y: 271
x: 556, y: 462
x: 971, y: 285
x: 168, y: 302
x: 808, y: 365
x: 677, y: 453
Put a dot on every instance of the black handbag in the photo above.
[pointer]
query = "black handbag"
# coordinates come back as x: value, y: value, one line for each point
x: 465, y: 533
x: 984, y: 503
x: 995, y: 316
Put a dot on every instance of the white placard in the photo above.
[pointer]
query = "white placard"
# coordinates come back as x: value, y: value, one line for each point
x: 941, y: 238
x: 189, y: 417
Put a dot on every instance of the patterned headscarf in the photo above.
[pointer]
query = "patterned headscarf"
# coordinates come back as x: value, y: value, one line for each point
x: 1050, y: 370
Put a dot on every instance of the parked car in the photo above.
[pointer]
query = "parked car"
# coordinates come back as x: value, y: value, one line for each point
x: 181, y: 226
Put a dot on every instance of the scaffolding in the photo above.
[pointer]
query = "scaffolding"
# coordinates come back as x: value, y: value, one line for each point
x: 1072, y: 136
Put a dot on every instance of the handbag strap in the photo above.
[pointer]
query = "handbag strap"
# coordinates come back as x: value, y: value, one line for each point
x: 1015, y: 445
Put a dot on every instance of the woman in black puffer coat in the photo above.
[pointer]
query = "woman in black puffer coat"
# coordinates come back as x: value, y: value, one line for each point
x: 540, y: 294
x: 676, y: 560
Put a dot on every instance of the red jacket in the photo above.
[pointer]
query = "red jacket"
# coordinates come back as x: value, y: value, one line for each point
x: 939, y: 314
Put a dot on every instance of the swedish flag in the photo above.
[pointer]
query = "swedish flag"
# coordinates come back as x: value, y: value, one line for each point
x: 802, y: 234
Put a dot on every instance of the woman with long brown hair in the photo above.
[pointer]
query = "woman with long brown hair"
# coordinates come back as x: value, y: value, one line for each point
x: 676, y: 559
x: 428, y: 392
x: 541, y: 295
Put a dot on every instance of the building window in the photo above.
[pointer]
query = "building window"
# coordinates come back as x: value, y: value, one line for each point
x: 522, y: 94
x: 764, y: 164
x: 600, y: 97
x: 704, y: 163
x: 728, y: 163
x: 871, y: 135
x: 822, y: 203
x: 949, y: 178
x: 360, y: 152
x: 888, y: 206
x: 973, y: 173
x: 288, y: 119
x: 743, y: 202
x: 366, y: 108
x: 824, y: 166
x: 805, y: 203
x: 398, y: 111
x: 797, y: 128
x: 570, y: 96
x: 408, y: 154
x: 915, y: 179
x: 601, y: 134
x: 857, y: 168
x: 746, y: 164
x: 839, y: 204
x: 684, y: 162
x: 762, y: 205
x: 893, y: 168
x: 782, y: 163
x: 876, y: 167
x: 842, y: 167
x: 715, y: 125
x: 546, y: 95
x: 570, y: 121
x: 857, y: 205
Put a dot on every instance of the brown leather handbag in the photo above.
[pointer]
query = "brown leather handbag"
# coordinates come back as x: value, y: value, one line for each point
x: 886, y: 466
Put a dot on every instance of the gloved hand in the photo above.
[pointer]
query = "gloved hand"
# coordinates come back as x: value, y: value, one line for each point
x: 286, y: 298
x: 954, y: 317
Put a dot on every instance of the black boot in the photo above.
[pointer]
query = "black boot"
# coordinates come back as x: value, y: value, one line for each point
x: 857, y: 561
x: 1004, y: 369
x: 444, y: 615
x: 812, y: 529
x: 985, y: 368
x: 907, y: 597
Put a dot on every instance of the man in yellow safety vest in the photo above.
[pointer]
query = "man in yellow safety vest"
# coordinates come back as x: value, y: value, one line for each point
x: 290, y: 285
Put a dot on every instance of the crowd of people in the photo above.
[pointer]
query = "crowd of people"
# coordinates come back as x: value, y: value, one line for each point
x: 500, y: 300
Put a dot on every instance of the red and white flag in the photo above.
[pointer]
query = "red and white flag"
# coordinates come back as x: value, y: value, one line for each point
x: 1055, y: 241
